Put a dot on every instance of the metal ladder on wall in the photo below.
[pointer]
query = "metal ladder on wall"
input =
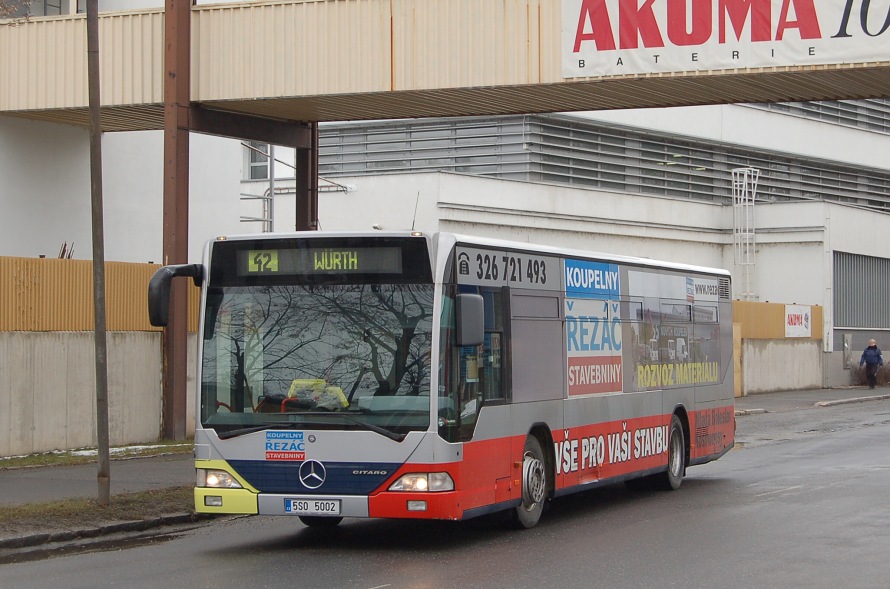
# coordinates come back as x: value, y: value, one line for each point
x: 744, y: 194
x: 267, y: 200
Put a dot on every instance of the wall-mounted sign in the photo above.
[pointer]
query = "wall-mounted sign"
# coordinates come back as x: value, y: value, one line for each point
x: 616, y: 37
x: 798, y: 321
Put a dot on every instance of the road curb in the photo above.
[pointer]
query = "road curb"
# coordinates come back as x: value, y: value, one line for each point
x: 852, y: 400
x: 45, y: 538
x: 740, y: 412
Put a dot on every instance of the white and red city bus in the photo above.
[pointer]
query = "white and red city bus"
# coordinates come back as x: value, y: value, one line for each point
x: 409, y: 375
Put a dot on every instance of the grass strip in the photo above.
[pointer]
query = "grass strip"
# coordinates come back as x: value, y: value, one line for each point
x: 70, y: 514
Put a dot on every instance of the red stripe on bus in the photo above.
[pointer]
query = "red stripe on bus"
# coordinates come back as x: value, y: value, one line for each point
x: 491, y: 470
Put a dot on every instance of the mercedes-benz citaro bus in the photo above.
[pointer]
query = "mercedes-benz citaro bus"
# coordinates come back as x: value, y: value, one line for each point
x: 440, y: 376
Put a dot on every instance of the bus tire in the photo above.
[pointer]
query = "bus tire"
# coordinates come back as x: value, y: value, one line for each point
x: 317, y: 521
x: 534, y: 485
x: 671, y: 480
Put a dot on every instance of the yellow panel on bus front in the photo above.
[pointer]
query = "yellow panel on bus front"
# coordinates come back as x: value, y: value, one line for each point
x: 230, y: 501
x: 221, y: 499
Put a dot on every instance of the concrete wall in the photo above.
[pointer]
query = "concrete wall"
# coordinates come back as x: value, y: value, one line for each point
x: 46, y: 192
x: 48, y: 390
x: 835, y: 374
x: 667, y: 229
x: 48, y: 398
x: 776, y: 365
x: 790, y: 255
x: 45, y: 197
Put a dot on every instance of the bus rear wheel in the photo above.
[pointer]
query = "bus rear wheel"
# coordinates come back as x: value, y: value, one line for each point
x: 672, y: 479
x: 315, y: 521
x: 534, y: 485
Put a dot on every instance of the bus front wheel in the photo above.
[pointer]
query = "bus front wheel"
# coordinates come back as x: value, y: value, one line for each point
x: 671, y: 479
x: 534, y: 485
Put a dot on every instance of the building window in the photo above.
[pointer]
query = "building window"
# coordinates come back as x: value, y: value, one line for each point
x: 257, y: 156
x: 46, y: 7
x: 14, y: 9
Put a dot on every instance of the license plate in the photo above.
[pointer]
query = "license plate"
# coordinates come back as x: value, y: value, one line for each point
x: 312, y: 506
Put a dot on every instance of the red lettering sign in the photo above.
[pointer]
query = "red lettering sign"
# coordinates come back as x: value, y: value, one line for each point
x: 638, y: 25
x: 596, y: 14
x: 807, y: 22
x: 738, y: 12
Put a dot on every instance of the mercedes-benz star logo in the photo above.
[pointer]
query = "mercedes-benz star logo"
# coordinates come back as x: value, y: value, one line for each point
x: 312, y: 474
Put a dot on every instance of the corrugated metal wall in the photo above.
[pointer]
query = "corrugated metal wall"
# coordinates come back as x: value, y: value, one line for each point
x: 348, y: 45
x: 352, y: 46
x: 131, y: 71
x: 372, y: 46
x: 767, y: 320
x: 861, y: 291
x: 41, y: 294
x: 335, y: 60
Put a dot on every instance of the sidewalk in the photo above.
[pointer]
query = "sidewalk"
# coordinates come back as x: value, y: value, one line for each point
x: 806, y: 399
x: 50, y: 483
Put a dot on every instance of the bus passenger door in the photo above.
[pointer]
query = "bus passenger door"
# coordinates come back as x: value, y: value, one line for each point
x: 537, y: 343
x: 484, y: 418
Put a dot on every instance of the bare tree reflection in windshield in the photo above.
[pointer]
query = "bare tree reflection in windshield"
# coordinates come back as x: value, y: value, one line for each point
x: 332, y: 347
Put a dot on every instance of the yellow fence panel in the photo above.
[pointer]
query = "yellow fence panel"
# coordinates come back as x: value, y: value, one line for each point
x: 767, y: 320
x: 48, y: 294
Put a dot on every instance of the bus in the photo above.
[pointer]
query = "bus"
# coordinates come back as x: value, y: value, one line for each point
x: 442, y: 376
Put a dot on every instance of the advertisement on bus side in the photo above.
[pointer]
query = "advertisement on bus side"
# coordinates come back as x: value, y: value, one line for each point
x: 674, y: 330
x: 593, y: 327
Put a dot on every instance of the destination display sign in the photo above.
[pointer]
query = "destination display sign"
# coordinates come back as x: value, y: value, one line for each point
x: 485, y: 267
x: 345, y: 260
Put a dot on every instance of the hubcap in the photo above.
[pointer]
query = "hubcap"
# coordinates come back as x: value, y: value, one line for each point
x: 534, y: 481
x: 675, y: 455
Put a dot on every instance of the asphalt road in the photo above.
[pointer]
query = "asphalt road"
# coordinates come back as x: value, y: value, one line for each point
x: 802, y: 502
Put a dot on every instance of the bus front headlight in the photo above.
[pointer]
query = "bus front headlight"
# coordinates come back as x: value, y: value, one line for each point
x: 423, y: 482
x: 217, y: 479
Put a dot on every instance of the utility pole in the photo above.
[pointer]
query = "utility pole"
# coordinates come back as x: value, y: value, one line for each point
x: 177, y: 105
x: 104, y: 471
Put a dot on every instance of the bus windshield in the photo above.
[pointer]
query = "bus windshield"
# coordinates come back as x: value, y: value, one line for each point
x: 341, y: 356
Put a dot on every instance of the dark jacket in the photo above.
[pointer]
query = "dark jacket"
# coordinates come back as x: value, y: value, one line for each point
x: 871, y: 356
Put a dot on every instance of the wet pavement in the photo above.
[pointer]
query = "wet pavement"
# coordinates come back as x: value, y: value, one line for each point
x: 27, y: 485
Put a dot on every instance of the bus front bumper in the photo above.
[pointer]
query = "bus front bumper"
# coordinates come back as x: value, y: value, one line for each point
x: 383, y: 505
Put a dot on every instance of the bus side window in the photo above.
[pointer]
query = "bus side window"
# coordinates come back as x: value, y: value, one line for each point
x: 481, y: 368
x: 492, y: 348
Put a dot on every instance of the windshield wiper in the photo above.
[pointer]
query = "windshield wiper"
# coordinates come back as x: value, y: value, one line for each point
x: 368, y: 426
x: 258, y: 428
x: 303, y: 424
x: 376, y: 428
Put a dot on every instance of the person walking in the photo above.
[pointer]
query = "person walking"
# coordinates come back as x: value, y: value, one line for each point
x: 872, y: 359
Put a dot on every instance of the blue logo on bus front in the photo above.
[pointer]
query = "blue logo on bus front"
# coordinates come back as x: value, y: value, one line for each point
x: 285, y: 446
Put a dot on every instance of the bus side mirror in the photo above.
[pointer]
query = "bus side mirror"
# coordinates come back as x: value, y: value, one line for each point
x: 159, y: 290
x: 470, y: 319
